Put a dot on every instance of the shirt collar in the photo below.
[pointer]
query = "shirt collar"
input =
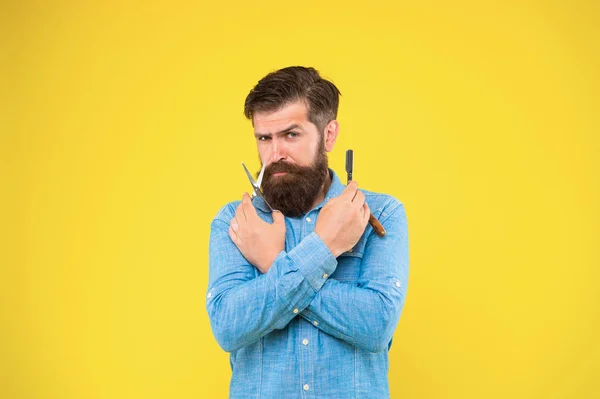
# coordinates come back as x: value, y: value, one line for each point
x: 335, y: 189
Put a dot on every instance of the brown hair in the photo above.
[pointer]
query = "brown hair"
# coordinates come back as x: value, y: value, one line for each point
x: 291, y: 84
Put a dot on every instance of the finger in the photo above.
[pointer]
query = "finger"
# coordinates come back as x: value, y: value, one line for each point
x: 359, y: 199
x: 350, y: 191
x: 234, y: 237
x: 239, y: 213
x: 278, y: 217
x: 234, y: 225
x: 367, y: 214
x: 248, y: 208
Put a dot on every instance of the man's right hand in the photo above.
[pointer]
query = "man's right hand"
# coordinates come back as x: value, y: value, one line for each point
x: 343, y: 220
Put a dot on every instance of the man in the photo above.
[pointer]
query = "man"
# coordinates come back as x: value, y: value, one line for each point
x: 306, y: 298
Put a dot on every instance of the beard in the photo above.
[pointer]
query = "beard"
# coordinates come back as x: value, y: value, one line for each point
x: 294, y: 193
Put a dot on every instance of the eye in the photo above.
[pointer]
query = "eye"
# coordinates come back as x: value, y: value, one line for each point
x: 264, y: 138
x: 292, y: 135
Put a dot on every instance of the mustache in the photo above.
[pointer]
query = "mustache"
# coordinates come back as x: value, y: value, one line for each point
x: 282, y: 166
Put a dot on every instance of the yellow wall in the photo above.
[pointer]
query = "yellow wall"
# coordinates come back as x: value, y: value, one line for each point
x: 122, y: 134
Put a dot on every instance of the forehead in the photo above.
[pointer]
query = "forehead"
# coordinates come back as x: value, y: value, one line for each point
x: 275, y: 121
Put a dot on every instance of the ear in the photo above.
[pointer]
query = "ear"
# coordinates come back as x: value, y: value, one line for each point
x: 331, y: 133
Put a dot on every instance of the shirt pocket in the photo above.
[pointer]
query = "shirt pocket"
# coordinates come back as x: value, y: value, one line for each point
x: 348, y: 268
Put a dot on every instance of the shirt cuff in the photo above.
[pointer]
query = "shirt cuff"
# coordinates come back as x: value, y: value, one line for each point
x: 314, y: 260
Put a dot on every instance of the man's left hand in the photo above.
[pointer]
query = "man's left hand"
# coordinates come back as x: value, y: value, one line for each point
x: 257, y: 240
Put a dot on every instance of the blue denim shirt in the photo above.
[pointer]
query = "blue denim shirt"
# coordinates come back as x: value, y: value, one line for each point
x: 313, y: 326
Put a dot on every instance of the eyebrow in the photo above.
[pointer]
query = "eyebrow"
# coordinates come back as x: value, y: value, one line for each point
x: 286, y: 130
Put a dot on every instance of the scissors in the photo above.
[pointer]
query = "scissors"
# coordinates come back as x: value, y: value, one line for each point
x: 256, y: 184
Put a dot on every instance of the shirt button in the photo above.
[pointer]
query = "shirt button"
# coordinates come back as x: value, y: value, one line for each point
x: 209, y: 295
x: 316, y: 323
x: 306, y: 387
x: 304, y: 341
x: 295, y: 310
x: 308, y: 220
x: 325, y: 275
x: 397, y: 283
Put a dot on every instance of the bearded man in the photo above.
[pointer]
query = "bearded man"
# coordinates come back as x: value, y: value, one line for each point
x: 305, y: 298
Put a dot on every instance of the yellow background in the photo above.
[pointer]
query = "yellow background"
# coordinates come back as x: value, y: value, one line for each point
x: 122, y: 134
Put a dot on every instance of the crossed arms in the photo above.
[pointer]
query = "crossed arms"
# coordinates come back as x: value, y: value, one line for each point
x: 245, y: 304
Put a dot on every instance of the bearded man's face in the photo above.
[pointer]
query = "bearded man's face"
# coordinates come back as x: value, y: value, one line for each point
x: 295, y: 153
x: 291, y: 188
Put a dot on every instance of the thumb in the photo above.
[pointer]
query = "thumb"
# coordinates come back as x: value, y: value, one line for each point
x: 278, y: 217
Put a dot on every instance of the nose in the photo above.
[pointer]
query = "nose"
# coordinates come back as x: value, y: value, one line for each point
x: 277, y: 151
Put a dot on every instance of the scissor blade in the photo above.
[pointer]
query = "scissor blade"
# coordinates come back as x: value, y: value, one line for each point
x: 250, y: 177
x: 260, y: 176
x: 260, y: 194
x: 257, y: 191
